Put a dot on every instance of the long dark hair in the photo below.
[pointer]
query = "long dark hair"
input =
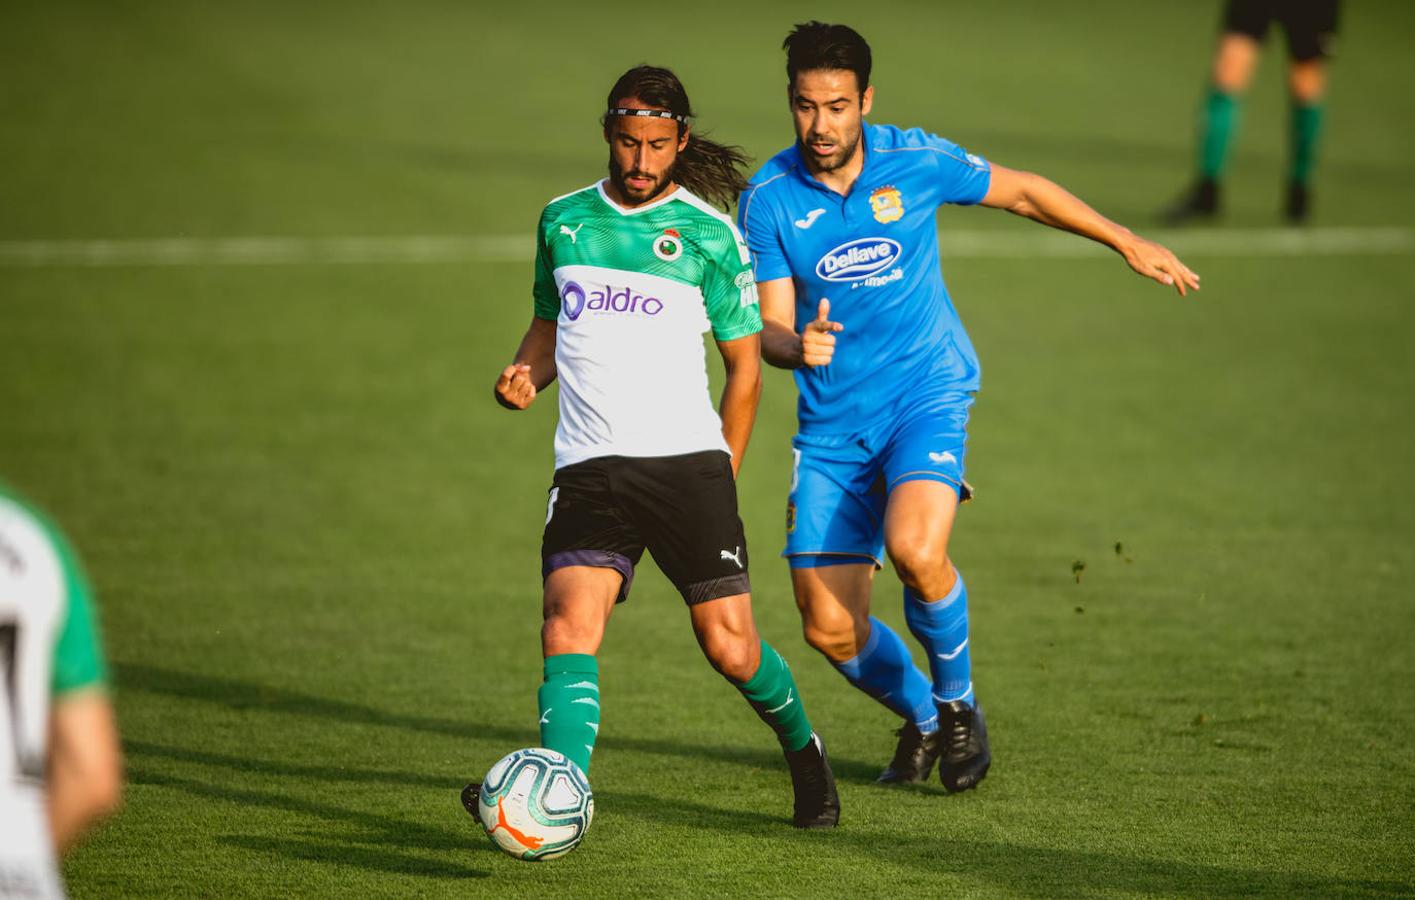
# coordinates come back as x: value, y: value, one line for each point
x: 713, y: 171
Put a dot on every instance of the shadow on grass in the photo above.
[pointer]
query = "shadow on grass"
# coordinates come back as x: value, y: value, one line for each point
x: 1040, y: 871
x: 371, y: 841
x: 368, y: 841
x: 372, y: 858
x: 283, y: 769
x: 243, y: 695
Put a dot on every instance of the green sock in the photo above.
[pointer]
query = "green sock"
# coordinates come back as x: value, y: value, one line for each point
x: 1217, y: 122
x: 772, y: 693
x: 1306, y: 128
x: 569, y: 707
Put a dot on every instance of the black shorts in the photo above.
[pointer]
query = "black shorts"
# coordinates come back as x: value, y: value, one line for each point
x: 1310, y: 25
x: 683, y: 509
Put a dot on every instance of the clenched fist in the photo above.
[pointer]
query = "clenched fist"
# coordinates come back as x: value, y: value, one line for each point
x: 514, y: 389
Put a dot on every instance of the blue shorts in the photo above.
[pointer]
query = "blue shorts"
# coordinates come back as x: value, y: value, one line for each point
x: 840, y: 483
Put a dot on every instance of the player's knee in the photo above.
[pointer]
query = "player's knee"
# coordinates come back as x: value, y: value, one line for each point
x: 921, y: 564
x: 1234, y: 63
x: 1306, y: 81
x: 566, y: 634
x: 834, y: 635
x: 735, y: 656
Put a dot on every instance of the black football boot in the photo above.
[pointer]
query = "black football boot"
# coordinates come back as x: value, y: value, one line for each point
x: 817, y: 804
x: 470, y: 795
x: 1299, y: 202
x: 914, y: 757
x: 1200, y: 202
x: 964, y: 736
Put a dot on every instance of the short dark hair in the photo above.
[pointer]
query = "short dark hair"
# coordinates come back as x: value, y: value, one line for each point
x: 816, y: 45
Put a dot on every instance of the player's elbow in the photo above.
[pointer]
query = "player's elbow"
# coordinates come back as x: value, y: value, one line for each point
x: 755, y: 384
x: 100, y: 786
x: 1023, y: 207
x: 106, y: 788
x: 744, y: 374
x: 1024, y: 193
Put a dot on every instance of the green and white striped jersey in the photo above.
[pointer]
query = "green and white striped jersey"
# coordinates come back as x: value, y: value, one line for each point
x: 48, y: 646
x: 632, y: 291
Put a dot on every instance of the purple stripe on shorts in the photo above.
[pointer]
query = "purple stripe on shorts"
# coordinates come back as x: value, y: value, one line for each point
x: 713, y: 588
x: 600, y: 559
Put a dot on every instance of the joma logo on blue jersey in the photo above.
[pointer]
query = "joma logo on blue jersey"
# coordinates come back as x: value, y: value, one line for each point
x: 858, y: 259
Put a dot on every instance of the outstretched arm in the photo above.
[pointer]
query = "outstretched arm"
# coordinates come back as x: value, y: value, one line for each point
x: 1041, y: 200
x: 741, y: 358
x: 534, y: 368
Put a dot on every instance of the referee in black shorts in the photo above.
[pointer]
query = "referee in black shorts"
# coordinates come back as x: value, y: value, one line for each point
x: 1310, y: 28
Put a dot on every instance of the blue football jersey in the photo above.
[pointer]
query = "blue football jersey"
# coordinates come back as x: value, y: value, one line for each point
x: 874, y: 254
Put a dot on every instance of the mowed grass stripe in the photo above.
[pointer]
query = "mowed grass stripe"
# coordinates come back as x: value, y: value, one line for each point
x: 1244, y: 243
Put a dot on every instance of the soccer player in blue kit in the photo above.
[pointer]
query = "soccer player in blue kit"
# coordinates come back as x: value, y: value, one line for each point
x: 844, y: 241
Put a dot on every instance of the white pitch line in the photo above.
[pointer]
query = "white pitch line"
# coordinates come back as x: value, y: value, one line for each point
x: 1254, y: 243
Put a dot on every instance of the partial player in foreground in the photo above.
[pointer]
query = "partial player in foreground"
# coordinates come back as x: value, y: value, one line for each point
x: 60, y: 764
x: 630, y: 272
x: 845, y: 244
x: 1310, y: 28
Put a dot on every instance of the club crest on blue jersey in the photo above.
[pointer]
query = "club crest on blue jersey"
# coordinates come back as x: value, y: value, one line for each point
x: 887, y: 203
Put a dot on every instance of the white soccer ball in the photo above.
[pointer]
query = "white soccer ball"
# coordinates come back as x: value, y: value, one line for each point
x: 535, y: 804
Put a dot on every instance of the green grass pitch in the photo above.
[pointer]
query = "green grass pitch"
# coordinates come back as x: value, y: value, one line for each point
x: 315, y: 538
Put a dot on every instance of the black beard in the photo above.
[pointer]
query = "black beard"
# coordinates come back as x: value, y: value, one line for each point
x: 617, y: 176
x: 815, y: 163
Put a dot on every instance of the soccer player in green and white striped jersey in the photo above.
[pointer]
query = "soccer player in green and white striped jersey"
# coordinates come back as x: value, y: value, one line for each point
x: 59, y: 757
x: 630, y: 272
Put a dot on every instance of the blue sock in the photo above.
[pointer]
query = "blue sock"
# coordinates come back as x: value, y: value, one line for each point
x: 942, y: 627
x: 884, y: 670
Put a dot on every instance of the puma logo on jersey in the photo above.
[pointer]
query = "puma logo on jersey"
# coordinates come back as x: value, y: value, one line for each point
x: 565, y: 230
x: 944, y: 457
x: 735, y: 557
x: 545, y: 716
x: 810, y: 219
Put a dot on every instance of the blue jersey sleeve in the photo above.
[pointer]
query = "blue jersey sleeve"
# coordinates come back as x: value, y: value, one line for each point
x: 963, y: 177
x: 757, y: 222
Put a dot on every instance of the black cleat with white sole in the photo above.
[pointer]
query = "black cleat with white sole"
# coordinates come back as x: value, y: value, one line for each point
x: 914, y: 757
x: 964, y: 736
x: 817, y: 803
